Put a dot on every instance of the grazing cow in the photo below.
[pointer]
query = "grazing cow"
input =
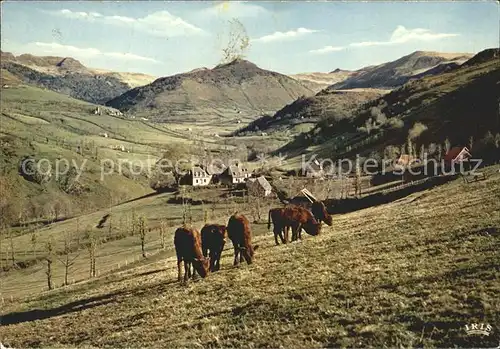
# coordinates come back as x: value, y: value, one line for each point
x: 295, y: 217
x: 238, y: 230
x: 213, y: 239
x: 276, y: 215
x: 319, y: 211
x: 187, y: 243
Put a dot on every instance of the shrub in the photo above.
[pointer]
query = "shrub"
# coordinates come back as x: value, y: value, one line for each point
x: 395, y: 123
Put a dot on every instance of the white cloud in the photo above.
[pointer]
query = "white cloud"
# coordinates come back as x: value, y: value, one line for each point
x: 400, y: 35
x: 79, y: 15
x: 234, y: 9
x: 56, y: 49
x: 327, y: 49
x: 279, y: 36
x: 161, y: 23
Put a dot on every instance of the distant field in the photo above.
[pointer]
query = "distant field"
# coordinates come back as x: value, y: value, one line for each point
x: 410, y: 273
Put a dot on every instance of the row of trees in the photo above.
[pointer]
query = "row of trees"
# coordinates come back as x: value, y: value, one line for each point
x: 486, y: 148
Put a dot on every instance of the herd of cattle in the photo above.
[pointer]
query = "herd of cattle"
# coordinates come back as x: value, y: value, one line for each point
x: 201, y: 253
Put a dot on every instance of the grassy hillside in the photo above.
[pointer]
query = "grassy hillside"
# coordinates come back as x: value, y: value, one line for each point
x: 234, y: 90
x: 304, y: 113
x: 455, y: 105
x: 402, y: 274
x: 42, y: 124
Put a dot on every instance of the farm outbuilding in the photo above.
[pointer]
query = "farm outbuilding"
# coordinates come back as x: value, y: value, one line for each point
x: 259, y: 186
x: 457, y: 155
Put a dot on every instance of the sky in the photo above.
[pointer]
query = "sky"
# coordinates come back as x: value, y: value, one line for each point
x: 166, y: 38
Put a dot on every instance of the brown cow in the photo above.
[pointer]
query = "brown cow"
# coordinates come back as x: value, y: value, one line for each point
x: 238, y: 230
x: 276, y: 215
x: 319, y: 211
x: 213, y: 239
x: 295, y: 217
x: 187, y: 243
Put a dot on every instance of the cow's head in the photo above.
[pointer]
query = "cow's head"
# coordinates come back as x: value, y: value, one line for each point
x: 248, y: 253
x: 312, y: 228
x: 320, y: 213
x: 202, y: 266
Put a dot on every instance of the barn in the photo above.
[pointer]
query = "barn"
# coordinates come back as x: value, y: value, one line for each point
x: 457, y: 157
x: 259, y: 186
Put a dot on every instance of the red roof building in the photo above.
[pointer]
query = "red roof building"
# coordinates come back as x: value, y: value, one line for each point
x: 457, y: 155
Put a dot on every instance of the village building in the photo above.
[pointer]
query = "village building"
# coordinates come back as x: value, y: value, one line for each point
x: 456, y: 157
x: 259, y: 186
x: 200, y: 177
x: 109, y: 111
x: 235, y: 174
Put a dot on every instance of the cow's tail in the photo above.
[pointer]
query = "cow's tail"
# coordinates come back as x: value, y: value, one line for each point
x: 269, y: 220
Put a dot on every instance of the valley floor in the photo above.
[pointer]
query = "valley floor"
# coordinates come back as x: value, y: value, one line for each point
x: 410, y: 273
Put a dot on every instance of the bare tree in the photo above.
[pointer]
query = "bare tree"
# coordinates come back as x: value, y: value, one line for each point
x: 65, y: 258
x: 254, y: 200
x: 92, y: 249
x: 133, y: 223
x: 187, y: 217
x: 471, y: 142
x: 447, y: 145
x: 34, y: 241
x: 357, y: 179
x: 439, y: 152
x: 1, y: 244
x: 12, y: 250
x: 213, y: 208
x: 422, y: 152
x: 163, y: 233
x: 49, y: 258
x: 141, y: 229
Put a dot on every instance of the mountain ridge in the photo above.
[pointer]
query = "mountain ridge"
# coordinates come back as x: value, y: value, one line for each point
x: 397, y: 72
x: 69, y: 76
x: 234, y: 89
x: 455, y: 104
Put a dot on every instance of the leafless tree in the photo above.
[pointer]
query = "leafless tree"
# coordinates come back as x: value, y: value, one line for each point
x: 357, y: 179
x: 92, y: 244
x: 10, y: 235
x: 34, y: 241
x: 133, y: 223
x: 141, y: 229
x: 254, y: 200
x: 49, y: 258
x: 187, y: 217
x: 447, y: 145
x: 65, y: 257
x: 439, y: 152
x: 163, y: 233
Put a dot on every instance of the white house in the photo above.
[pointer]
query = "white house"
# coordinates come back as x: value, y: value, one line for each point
x: 200, y: 177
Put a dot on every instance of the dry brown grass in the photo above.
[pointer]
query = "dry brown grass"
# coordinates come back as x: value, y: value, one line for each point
x: 410, y: 273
